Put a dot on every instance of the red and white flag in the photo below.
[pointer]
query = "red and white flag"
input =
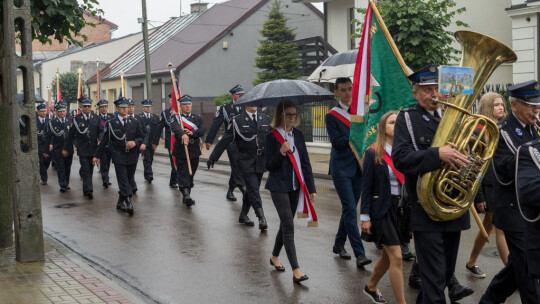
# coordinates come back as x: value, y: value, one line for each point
x: 361, y: 81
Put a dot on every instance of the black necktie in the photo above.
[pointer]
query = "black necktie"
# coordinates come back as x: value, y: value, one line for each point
x: 254, y: 118
x: 436, y: 114
x: 349, y: 110
x: 530, y: 129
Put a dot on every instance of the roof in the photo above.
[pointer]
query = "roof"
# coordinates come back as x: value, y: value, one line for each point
x: 200, y: 35
x: 136, y: 53
x: 113, y: 26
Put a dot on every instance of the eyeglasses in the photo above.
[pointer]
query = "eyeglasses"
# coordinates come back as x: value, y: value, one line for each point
x: 291, y: 115
x: 86, y: 106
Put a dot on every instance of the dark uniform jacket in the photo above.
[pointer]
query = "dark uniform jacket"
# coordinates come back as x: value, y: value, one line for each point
x: 250, y: 139
x: 343, y: 162
x: 414, y: 162
x: 58, y: 135
x: 117, y: 135
x: 85, y: 134
x: 529, y: 197
x: 150, y: 125
x: 42, y: 135
x: 194, y: 147
x: 376, y: 195
x: 280, y: 168
x: 506, y: 215
x: 224, y: 115
x: 164, y: 122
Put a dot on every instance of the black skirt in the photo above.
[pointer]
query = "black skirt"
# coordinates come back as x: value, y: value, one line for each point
x: 385, y: 230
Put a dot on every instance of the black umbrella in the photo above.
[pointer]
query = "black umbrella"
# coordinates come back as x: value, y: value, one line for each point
x: 272, y: 92
x: 338, y: 65
x: 20, y: 98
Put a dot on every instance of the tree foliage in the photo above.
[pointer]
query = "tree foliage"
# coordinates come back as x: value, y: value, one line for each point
x: 276, y: 54
x: 68, y: 86
x: 59, y: 19
x: 222, y: 99
x: 420, y: 29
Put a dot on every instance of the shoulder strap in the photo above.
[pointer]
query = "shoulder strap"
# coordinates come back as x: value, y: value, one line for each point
x: 411, y: 132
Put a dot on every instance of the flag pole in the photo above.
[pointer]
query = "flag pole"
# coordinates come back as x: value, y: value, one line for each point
x: 390, y: 39
x: 176, y: 95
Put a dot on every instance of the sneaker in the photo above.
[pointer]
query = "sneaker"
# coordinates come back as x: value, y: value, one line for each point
x: 475, y: 271
x: 375, y: 296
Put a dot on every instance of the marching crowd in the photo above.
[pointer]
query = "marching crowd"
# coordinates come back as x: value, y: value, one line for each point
x: 256, y: 143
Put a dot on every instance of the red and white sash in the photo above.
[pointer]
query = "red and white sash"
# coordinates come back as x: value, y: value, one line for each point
x: 388, y: 159
x: 305, y: 207
x: 190, y: 126
x: 342, y: 115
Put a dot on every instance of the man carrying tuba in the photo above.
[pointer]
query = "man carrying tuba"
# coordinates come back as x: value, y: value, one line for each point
x: 436, y: 242
x: 516, y: 129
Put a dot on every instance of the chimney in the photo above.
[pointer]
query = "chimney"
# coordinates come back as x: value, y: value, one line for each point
x: 198, y: 7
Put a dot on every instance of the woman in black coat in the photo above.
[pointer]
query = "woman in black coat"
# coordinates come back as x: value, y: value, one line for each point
x: 283, y: 183
x: 378, y: 212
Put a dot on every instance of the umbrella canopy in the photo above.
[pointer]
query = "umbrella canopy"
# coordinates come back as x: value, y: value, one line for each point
x: 338, y: 65
x: 20, y: 98
x: 272, y: 92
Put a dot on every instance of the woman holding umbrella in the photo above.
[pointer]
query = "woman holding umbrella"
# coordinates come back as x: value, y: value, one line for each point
x: 286, y: 180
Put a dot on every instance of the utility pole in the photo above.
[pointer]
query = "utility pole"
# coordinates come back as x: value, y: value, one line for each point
x: 146, y: 52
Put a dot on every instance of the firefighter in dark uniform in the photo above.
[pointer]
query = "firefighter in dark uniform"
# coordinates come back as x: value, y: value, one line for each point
x: 61, y: 151
x: 248, y: 131
x: 516, y: 129
x: 165, y: 123
x: 85, y: 136
x: 529, y: 198
x: 125, y: 136
x: 142, y: 147
x: 190, y: 135
x: 224, y: 116
x: 436, y: 242
x: 150, y: 122
x: 42, y: 122
x: 105, y: 161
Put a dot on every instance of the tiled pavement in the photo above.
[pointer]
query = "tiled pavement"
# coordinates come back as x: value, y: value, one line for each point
x: 56, y: 280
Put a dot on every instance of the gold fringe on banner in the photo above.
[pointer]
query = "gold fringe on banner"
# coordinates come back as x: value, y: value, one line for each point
x: 313, y: 224
x: 302, y: 215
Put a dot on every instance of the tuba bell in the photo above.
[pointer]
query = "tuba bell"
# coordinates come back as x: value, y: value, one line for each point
x: 446, y: 194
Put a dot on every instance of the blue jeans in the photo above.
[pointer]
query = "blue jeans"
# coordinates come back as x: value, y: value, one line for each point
x: 349, y: 190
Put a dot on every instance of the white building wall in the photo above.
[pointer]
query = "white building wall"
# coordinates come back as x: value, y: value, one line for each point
x: 524, y: 41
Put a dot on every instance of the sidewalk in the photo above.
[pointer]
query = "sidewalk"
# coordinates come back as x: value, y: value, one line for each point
x: 319, y: 157
x: 61, y: 278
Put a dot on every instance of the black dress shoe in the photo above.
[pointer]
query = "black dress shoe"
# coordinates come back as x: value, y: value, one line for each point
x: 134, y: 191
x: 89, y: 195
x: 109, y: 183
x: 105, y: 185
x: 457, y: 291
x: 129, y: 205
x: 300, y: 279
x: 120, y: 204
x: 150, y: 179
x: 362, y: 260
x: 406, y: 253
x: 173, y: 186
x: 68, y: 188
x: 244, y: 219
x: 278, y: 268
x: 62, y: 189
x: 414, y: 276
x: 230, y: 196
x: 342, y: 252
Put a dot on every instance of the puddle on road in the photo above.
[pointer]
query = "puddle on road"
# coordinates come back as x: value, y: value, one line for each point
x: 68, y: 205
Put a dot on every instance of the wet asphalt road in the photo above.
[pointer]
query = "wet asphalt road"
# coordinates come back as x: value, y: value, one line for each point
x: 167, y: 253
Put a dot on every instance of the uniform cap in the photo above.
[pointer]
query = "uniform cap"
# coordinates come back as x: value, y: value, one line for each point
x: 528, y: 91
x: 237, y: 90
x: 427, y: 75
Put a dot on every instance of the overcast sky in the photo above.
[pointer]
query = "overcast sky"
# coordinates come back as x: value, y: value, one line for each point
x: 124, y: 13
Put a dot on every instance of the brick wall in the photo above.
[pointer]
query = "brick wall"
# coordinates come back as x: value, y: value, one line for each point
x: 100, y: 33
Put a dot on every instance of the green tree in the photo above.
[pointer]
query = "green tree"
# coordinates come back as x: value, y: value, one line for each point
x: 420, y: 29
x: 59, y: 19
x: 276, y: 54
x: 68, y: 86
x: 222, y: 99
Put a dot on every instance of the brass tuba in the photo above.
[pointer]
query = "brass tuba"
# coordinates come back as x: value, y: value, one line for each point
x: 446, y: 194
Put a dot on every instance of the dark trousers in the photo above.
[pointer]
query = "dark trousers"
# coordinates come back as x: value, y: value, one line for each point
x: 44, y: 163
x: 348, y: 190
x: 435, y: 251
x: 174, y: 175
x: 132, y: 177
x: 184, y: 180
x: 124, y: 174
x: 513, y: 276
x: 253, y: 184
x: 148, y: 158
x: 236, y: 176
x: 63, y: 168
x: 286, y: 203
x: 105, y: 164
x: 87, y: 170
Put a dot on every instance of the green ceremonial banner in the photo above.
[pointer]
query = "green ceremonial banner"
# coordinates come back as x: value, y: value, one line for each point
x: 391, y: 90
